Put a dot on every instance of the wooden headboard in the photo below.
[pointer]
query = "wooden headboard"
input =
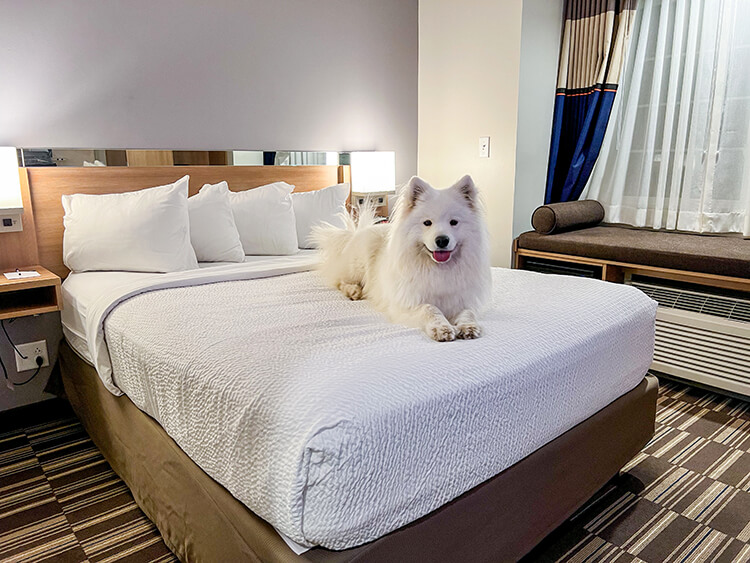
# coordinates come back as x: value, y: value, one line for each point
x: 46, y: 186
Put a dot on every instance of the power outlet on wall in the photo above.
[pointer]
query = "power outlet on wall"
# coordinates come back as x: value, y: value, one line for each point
x: 378, y: 200
x: 10, y: 221
x: 32, y: 351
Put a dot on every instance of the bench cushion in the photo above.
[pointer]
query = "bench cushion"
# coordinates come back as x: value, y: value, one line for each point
x: 720, y: 255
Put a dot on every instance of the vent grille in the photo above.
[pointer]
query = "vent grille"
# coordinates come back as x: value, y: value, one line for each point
x: 731, y: 308
x: 700, y: 352
x: 563, y: 268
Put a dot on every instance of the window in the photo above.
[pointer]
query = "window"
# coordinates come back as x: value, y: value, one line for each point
x: 676, y: 154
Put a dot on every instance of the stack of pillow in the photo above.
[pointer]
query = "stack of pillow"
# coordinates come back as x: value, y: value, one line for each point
x: 161, y: 229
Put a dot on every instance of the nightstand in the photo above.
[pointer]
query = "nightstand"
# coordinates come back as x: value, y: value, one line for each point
x: 30, y: 296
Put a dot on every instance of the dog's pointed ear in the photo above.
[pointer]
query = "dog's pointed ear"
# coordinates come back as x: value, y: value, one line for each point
x: 466, y: 187
x: 413, y: 190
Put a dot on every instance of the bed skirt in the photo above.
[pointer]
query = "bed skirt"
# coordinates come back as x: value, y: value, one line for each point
x: 499, y: 520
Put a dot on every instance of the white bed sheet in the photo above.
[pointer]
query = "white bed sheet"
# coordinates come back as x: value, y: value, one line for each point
x: 80, y: 290
x: 338, y: 427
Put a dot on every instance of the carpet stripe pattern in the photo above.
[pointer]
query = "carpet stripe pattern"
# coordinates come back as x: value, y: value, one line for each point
x: 60, y: 501
x: 684, y: 498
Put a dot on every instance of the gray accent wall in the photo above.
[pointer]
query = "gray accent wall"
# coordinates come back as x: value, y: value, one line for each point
x: 331, y: 75
x: 541, y: 29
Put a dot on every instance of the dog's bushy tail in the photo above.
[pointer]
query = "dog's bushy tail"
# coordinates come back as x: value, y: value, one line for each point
x: 331, y: 240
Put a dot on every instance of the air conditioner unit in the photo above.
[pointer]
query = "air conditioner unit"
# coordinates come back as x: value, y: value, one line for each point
x: 701, y: 336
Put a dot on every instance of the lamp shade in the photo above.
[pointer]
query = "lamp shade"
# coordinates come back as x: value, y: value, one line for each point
x: 10, y: 185
x: 373, y: 171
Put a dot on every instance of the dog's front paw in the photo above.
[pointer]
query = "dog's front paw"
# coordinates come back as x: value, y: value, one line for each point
x: 442, y: 332
x: 468, y: 331
x: 352, y: 290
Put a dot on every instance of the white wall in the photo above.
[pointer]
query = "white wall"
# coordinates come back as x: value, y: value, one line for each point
x: 540, y: 51
x: 469, y: 55
x: 228, y: 74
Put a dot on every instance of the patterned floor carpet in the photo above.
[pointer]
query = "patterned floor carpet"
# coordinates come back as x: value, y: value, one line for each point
x: 60, y: 501
x: 685, y: 498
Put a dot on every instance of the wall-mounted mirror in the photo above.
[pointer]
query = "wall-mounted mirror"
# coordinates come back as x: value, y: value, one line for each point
x: 128, y: 157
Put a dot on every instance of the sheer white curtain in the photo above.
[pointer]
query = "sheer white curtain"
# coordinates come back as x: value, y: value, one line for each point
x: 676, y: 154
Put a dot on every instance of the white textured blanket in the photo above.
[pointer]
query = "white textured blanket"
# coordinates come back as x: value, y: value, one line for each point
x: 338, y: 427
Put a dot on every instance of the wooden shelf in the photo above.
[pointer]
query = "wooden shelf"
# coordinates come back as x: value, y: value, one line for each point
x: 30, y: 296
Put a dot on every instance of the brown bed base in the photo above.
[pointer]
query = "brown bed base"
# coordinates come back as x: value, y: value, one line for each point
x: 499, y: 520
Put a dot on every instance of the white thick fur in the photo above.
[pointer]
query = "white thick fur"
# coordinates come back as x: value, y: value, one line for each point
x: 391, y: 264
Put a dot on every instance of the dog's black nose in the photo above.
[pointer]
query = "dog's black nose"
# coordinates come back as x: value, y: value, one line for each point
x: 442, y: 241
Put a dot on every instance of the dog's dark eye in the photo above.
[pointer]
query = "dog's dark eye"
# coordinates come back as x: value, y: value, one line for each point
x: 427, y: 223
x: 454, y: 222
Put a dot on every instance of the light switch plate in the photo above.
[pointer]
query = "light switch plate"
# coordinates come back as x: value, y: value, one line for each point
x: 484, y: 147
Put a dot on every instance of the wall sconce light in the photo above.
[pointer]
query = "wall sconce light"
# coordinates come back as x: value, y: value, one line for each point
x: 11, y: 204
x: 373, y: 178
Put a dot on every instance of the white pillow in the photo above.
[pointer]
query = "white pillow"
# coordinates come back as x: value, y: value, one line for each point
x: 213, y: 233
x: 143, y: 231
x: 265, y: 218
x: 313, y: 208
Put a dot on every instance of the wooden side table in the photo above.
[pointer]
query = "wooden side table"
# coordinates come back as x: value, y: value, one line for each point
x: 30, y: 296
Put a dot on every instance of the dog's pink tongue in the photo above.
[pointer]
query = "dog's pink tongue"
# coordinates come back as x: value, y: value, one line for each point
x: 441, y: 255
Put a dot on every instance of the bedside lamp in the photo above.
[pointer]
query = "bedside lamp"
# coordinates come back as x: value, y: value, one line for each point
x: 373, y: 178
x: 11, y: 204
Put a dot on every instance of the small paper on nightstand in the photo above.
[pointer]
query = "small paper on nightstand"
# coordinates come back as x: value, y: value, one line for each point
x: 19, y: 274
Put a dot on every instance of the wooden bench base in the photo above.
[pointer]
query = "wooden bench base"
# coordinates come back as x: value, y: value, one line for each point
x: 618, y: 272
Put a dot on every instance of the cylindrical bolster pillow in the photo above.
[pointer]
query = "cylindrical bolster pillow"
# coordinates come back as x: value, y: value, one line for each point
x: 567, y: 216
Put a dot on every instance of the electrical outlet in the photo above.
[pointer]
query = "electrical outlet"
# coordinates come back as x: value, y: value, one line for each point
x: 32, y: 350
x: 376, y: 199
x: 10, y: 221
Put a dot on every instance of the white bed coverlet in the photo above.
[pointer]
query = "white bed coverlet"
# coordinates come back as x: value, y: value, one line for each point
x: 338, y: 427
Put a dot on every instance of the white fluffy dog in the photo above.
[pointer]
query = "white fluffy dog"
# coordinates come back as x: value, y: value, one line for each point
x: 429, y: 268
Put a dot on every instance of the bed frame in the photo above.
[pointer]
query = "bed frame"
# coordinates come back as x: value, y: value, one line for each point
x: 499, y: 520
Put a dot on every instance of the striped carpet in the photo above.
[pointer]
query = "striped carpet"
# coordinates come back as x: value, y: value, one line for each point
x: 60, y: 501
x: 684, y: 498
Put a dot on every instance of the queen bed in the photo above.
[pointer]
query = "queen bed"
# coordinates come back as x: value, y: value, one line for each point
x: 257, y: 415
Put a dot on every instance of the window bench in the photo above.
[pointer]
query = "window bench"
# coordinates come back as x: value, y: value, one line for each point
x: 702, y: 284
x: 717, y: 261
